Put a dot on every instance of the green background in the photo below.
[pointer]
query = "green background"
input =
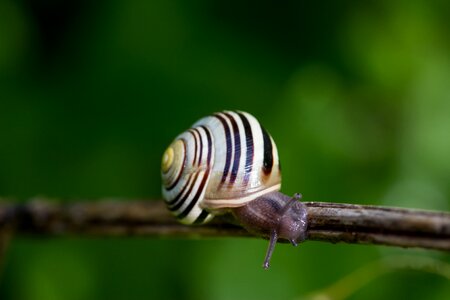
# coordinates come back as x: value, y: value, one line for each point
x: 356, y: 96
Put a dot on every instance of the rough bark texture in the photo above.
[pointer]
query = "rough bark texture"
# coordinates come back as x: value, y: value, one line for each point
x: 329, y: 222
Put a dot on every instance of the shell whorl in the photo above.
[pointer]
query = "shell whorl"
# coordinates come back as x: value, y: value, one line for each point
x: 225, y: 160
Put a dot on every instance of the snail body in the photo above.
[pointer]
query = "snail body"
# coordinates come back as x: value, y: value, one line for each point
x: 228, y: 163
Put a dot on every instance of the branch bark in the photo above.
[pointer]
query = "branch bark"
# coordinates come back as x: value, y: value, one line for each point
x: 330, y: 222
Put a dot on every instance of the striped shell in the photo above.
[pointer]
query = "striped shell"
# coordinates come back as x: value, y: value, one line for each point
x: 225, y: 160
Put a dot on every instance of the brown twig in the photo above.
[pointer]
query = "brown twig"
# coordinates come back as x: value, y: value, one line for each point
x: 329, y: 222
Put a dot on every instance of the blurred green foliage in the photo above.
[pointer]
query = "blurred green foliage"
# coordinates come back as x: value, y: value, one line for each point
x: 356, y: 95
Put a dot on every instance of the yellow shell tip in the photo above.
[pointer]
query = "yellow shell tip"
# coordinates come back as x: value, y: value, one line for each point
x: 167, y: 159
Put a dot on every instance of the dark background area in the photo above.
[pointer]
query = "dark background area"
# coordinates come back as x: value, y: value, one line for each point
x: 356, y: 96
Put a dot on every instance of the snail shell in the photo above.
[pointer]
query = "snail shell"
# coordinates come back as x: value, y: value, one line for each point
x: 224, y: 161
x: 228, y: 163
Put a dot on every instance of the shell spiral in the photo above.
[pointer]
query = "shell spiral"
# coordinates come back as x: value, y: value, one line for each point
x: 225, y: 160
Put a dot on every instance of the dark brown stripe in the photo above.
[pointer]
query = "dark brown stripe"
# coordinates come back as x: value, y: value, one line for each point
x: 237, y: 149
x: 268, y: 156
x: 201, y: 218
x: 229, y: 149
x: 201, y: 146
x: 177, y: 205
x: 209, y: 138
x: 177, y: 197
x: 181, y: 170
x: 194, y: 200
x: 250, y: 147
x: 195, y: 145
x: 202, y: 186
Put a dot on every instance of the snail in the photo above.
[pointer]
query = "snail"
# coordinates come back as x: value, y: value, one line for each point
x: 227, y: 163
